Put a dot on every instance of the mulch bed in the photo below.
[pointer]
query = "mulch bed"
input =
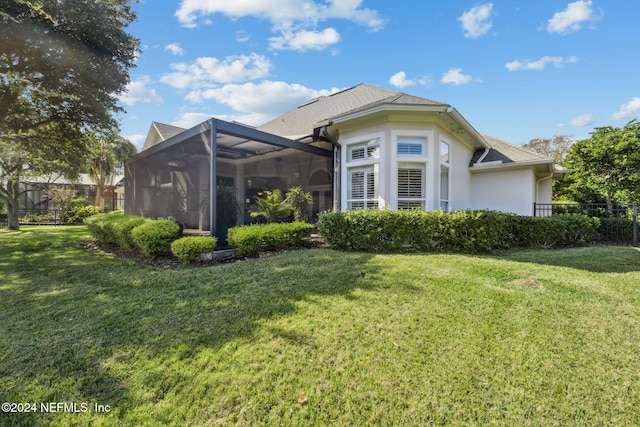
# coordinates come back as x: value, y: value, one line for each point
x: 171, y: 263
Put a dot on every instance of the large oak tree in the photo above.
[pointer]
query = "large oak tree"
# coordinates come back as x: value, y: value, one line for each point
x: 63, y: 64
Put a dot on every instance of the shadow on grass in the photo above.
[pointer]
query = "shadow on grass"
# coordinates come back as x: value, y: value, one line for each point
x: 595, y: 259
x: 68, y: 316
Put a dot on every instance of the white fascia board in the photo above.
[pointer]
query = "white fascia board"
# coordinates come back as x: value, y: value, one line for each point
x: 443, y: 109
x: 493, y: 166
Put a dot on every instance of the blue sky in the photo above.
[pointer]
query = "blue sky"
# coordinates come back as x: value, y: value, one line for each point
x: 516, y: 69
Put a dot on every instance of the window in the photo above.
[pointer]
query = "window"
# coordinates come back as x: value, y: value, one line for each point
x: 362, y: 190
x: 411, y: 146
x: 364, y: 151
x: 444, y: 152
x: 411, y: 186
x: 445, y: 158
x: 444, y: 187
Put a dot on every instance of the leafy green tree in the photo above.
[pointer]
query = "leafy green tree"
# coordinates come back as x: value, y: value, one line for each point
x: 62, y: 66
x: 109, y: 153
x: 270, y: 207
x: 606, y: 167
x: 300, y: 202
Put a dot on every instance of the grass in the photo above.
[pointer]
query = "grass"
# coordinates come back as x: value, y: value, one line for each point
x: 318, y: 337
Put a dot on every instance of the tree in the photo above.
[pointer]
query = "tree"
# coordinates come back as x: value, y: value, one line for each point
x: 556, y: 148
x: 300, y: 202
x: 271, y: 207
x: 62, y: 65
x: 109, y: 153
x: 606, y: 167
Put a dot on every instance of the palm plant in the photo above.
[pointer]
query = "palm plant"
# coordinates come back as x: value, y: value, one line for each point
x: 300, y: 202
x: 109, y: 153
x: 270, y: 207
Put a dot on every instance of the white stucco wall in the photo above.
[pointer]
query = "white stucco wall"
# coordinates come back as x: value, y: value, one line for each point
x: 504, y: 190
x: 388, y: 132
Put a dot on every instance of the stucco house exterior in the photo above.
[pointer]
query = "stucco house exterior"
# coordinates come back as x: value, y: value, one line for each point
x: 363, y: 147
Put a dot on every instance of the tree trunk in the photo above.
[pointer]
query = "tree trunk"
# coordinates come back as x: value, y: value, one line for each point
x: 609, y: 204
x: 12, y: 206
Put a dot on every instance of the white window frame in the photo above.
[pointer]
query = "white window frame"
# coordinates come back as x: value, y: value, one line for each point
x: 417, y: 202
x: 423, y: 160
x: 370, y: 189
x: 444, y: 202
x: 375, y: 162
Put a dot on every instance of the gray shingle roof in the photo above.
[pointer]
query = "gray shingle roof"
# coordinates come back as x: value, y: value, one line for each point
x: 302, y: 120
x: 167, y: 131
x: 506, y: 152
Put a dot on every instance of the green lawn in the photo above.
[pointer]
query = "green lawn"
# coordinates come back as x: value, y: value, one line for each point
x: 318, y: 337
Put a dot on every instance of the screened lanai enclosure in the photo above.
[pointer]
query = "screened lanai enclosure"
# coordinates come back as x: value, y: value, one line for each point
x: 206, y: 178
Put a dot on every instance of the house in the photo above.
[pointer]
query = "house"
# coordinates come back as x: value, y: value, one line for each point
x: 363, y: 147
x: 35, y: 195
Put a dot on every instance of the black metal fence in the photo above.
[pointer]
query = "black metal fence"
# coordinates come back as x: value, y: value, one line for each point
x: 618, y: 222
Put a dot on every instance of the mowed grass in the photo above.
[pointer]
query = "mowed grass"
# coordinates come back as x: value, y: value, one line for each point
x: 319, y: 337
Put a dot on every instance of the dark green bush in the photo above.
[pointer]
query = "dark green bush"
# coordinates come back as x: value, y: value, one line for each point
x: 154, y: 236
x: 617, y: 229
x: 462, y: 231
x: 187, y: 249
x: 250, y: 239
x: 80, y: 214
x: 122, y: 228
x: 101, y: 226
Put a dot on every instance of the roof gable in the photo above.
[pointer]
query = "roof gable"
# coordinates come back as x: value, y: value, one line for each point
x: 159, y: 132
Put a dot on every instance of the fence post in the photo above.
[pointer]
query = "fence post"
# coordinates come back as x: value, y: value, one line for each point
x: 635, y: 224
x: 535, y: 209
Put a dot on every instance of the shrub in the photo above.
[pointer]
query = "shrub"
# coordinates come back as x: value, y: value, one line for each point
x: 463, y: 231
x: 154, y: 236
x: 80, y: 214
x: 620, y: 229
x: 101, y: 226
x: 122, y: 228
x: 250, y: 239
x: 187, y: 249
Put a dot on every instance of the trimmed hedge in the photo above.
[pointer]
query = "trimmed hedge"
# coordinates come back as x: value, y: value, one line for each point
x: 115, y: 228
x: 101, y: 226
x: 463, y: 231
x: 248, y: 240
x: 153, y: 237
x: 187, y: 249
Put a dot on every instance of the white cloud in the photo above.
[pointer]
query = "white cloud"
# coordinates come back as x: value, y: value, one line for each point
x: 137, y: 140
x: 630, y: 109
x: 476, y: 21
x: 305, y: 40
x: 175, y: 49
x: 242, y: 36
x: 294, y: 20
x: 267, y: 98
x: 455, y: 77
x: 139, y: 92
x: 579, y: 121
x: 189, y: 120
x: 540, y: 64
x: 573, y: 17
x: 279, y: 11
x: 400, y: 80
x: 206, y: 72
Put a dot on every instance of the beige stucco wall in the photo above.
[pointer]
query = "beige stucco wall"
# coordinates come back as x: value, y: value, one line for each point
x: 504, y: 190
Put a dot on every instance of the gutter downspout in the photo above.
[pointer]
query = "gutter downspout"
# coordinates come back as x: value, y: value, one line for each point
x: 486, y: 151
x: 538, y: 187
